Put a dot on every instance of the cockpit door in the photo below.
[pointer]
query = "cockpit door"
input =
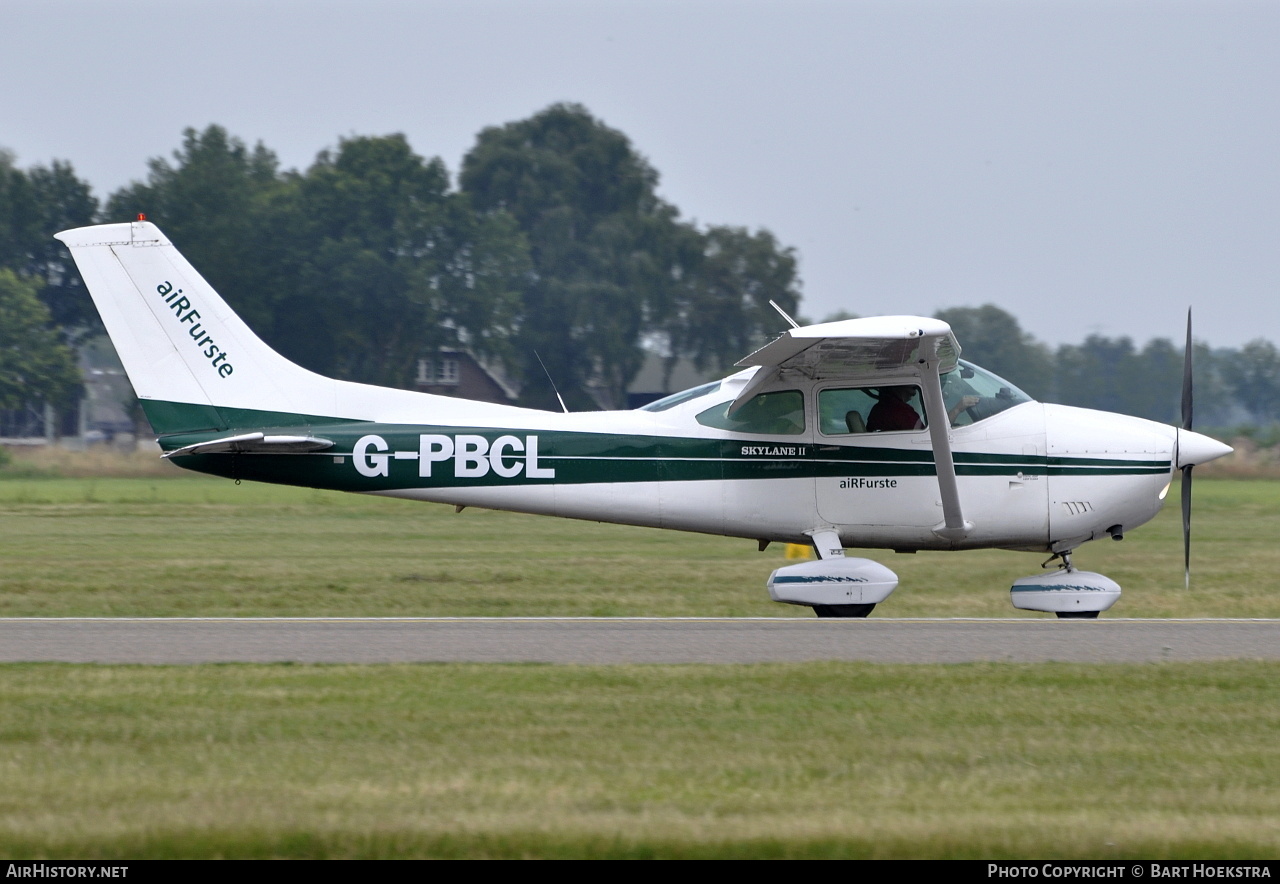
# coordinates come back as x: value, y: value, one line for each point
x: 873, y: 463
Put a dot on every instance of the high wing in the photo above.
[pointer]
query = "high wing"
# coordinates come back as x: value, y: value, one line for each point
x: 862, y: 349
x: 859, y: 347
x: 853, y: 348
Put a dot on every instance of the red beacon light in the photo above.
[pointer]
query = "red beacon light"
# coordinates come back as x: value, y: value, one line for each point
x: 142, y: 217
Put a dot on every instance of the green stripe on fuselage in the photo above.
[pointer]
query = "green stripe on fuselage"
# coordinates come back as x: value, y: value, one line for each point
x: 172, y: 419
x: 578, y: 458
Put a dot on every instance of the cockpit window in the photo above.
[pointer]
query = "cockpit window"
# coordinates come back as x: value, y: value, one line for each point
x: 969, y: 393
x: 972, y: 394
x: 844, y: 411
x: 780, y: 413
x: 679, y: 398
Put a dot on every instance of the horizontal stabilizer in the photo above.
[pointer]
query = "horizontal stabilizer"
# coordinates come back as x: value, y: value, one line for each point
x: 255, y: 443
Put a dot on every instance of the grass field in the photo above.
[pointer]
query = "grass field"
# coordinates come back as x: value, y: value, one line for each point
x: 207, y: 547
x: 817, y: 760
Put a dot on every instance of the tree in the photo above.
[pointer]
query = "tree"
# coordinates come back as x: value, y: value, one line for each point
x: 1216, y: 403
x: 1253, y: 375
x: 724, y: 313
x: 210, y: 200
x: 355, y: 268
x: 613, y: 265
x: 33, y: 207
x: 1100, y: 374
x: 18, y: 224
x: 587, y: 203
x: 1155, y: 382
x: 63, y: 202
x: 34, y: 364
x: 399, y: 265
x: 993, y: 339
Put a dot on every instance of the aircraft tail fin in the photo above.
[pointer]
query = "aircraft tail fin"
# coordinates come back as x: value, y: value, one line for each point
x: 192, y: 361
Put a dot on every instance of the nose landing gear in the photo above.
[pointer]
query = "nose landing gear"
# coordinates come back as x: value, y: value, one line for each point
x: 1066, y: 592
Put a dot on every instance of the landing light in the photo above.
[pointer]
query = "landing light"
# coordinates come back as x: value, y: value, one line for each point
x: 1165, y: 490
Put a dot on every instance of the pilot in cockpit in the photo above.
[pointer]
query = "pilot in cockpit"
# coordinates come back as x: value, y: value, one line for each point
x: 894, y: 411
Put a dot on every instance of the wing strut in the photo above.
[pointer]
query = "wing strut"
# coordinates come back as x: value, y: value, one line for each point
x: 954, y: 526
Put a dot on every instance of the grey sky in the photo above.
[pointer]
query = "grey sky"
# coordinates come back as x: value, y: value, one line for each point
x: 1088, y: 166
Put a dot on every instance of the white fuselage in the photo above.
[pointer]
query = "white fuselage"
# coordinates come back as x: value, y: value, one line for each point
x: 1036, y: 476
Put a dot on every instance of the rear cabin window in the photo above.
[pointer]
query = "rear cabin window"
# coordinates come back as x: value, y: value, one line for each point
x: 780, y: 413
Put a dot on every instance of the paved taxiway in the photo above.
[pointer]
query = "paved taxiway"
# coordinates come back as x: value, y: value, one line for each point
x: 617, y: 640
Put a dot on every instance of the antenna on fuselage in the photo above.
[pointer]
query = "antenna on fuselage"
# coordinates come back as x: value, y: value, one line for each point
x: 554, y: 388
x: 774, y: 305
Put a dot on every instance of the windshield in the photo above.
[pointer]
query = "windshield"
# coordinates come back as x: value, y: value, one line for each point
x: 966, y: 383
x: 683, y: 396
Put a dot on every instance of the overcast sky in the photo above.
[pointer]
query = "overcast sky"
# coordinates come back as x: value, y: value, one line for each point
x: 1088, y: 166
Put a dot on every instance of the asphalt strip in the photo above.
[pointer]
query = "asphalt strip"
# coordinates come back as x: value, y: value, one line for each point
x: 596, y: 640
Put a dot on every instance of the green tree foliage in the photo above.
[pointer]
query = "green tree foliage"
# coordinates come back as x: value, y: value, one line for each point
x: 212, y: 201
x: 355, y: 268
x: 35, y: 205
x: 34, y: 364
x: 1155, y: 385
x: 725, y: 312
x: 1253, y: 374
x: 993, y: 339
x: 587, y: 204
x: 1097, y: 374
x: 18, y: 225
x: 1216, y: 404
x: 1111, y: 374
x: 399, y: 265
x: 612, y: 262
x: 555, y: 246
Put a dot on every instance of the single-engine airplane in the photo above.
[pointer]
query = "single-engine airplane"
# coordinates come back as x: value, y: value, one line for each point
x: 858, y: 433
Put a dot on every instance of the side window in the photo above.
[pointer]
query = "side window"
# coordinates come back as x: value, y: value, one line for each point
x: 870, y: 410
x: 780, y: 413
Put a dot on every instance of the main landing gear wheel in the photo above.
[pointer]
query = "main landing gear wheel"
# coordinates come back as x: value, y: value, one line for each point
x: 842, y: 610
x: 1077, y: 615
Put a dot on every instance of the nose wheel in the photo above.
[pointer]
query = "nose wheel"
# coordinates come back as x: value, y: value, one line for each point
x: 1065, y: 559
x: 1068, y: 593
x: 842, y: 610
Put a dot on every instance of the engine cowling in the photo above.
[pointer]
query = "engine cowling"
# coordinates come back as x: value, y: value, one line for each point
x: 841, y: 581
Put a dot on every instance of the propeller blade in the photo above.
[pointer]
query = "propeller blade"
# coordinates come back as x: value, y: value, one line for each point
x: 1186, y: 378
x: 1187, y: 412
x: 1186, y: 524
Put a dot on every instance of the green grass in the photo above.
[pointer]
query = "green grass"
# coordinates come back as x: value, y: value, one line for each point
x: 813, y: 760
x: 837, y: 759
x: 207, y: 547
